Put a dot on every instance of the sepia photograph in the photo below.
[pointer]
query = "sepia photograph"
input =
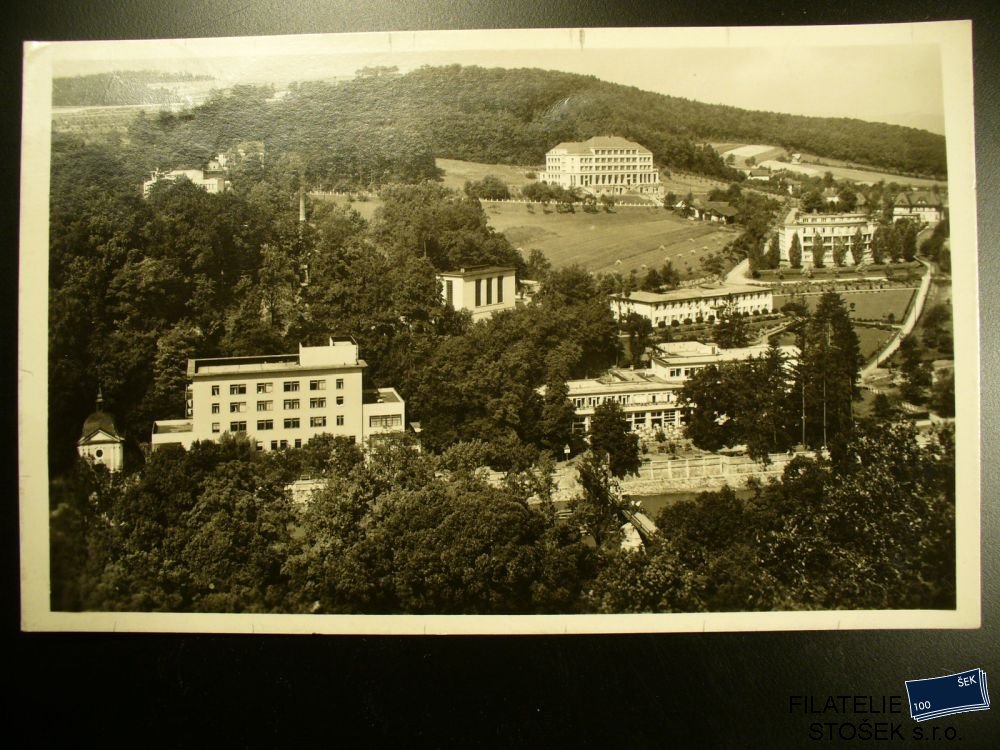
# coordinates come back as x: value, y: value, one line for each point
x: 509, y: 331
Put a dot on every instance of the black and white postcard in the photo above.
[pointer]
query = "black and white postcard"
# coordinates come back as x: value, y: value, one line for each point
x: 547, y: 331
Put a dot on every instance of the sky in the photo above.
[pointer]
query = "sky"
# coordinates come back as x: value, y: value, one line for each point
x: 895, y: 81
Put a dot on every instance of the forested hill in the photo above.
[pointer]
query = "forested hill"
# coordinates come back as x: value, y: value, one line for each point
x: 516, y: 115
x: 119, y: 88
x: 377, y: 129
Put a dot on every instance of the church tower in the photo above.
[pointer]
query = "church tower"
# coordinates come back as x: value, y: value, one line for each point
x: 100, y: 441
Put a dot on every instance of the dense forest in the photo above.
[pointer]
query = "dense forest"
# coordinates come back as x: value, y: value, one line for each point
x: 118, y: 89
x: 215, y: 530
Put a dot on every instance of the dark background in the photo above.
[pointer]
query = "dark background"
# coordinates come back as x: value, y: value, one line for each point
x: 711, y: 690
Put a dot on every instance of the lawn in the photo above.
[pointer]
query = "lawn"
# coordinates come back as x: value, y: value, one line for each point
x: 876, y: 304
x: 870, y: 340
x: 869, y: 177
x: 625, y: 239
x: 457, y: 173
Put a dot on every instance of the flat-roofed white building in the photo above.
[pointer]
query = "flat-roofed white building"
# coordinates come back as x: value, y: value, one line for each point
x: 482, y: 290
x: 676, y: 361
x: 603, y: 164
x: 824, y: 228
x: 648, y: 401
x: 649, y: 398
x: 682, y: 305
x: 211, y: 180
x: 283, y: 400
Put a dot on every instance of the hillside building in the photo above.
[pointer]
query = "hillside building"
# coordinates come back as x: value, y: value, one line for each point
x: 693, y: 304
x: 604, y: 164
x: 824, y: 228
x: 922, y: 206
x: 283, y: 400
x: 482, y: 290
x: 649, y: 398
x: 212, y: 179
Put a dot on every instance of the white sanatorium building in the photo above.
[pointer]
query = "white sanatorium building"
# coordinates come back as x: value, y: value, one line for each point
x: 482, y: 290
x: 681, y: 305
x: 283, y: 400
x: 648, y: 398
x: 604, y: 164
x: 825, y: 228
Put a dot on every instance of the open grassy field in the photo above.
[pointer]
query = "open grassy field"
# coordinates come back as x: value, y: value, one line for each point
x: 457, y: 173
x: 365, y: 208
x: 870, y: 305
x: 622, y: 240
x: 681, y: 184
x: 869, y: 177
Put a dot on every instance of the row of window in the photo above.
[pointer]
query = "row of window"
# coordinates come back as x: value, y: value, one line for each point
x: 487, y: 286
x: 268, y: 424
x: 625, y: 399
x: 753, y: 299
x: 288, y: 386
x: 677, y: 372
x: 289, y: 404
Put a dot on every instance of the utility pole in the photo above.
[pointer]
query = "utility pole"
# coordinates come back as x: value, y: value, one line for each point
x: 826, y: 360
x: 802, y: 377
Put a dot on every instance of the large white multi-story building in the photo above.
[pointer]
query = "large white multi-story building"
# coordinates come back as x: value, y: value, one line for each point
x: 283, y: 400
x: 604, y: 164
x: 824, y: 228
x: 482, y: 290
x: 693, y: 304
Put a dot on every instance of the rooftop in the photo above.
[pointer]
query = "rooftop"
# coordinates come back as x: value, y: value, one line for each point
x: 698, y: 292
x: 721, y: 207
x: 620, y: 381
x: 472, y: 271
x: 380, y: 396
x: 795, y: 217
x: 710, y: 353
x: 172, y: 426
x: 340, y: 352
x: 600, y: 141
x: 918, y: 198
